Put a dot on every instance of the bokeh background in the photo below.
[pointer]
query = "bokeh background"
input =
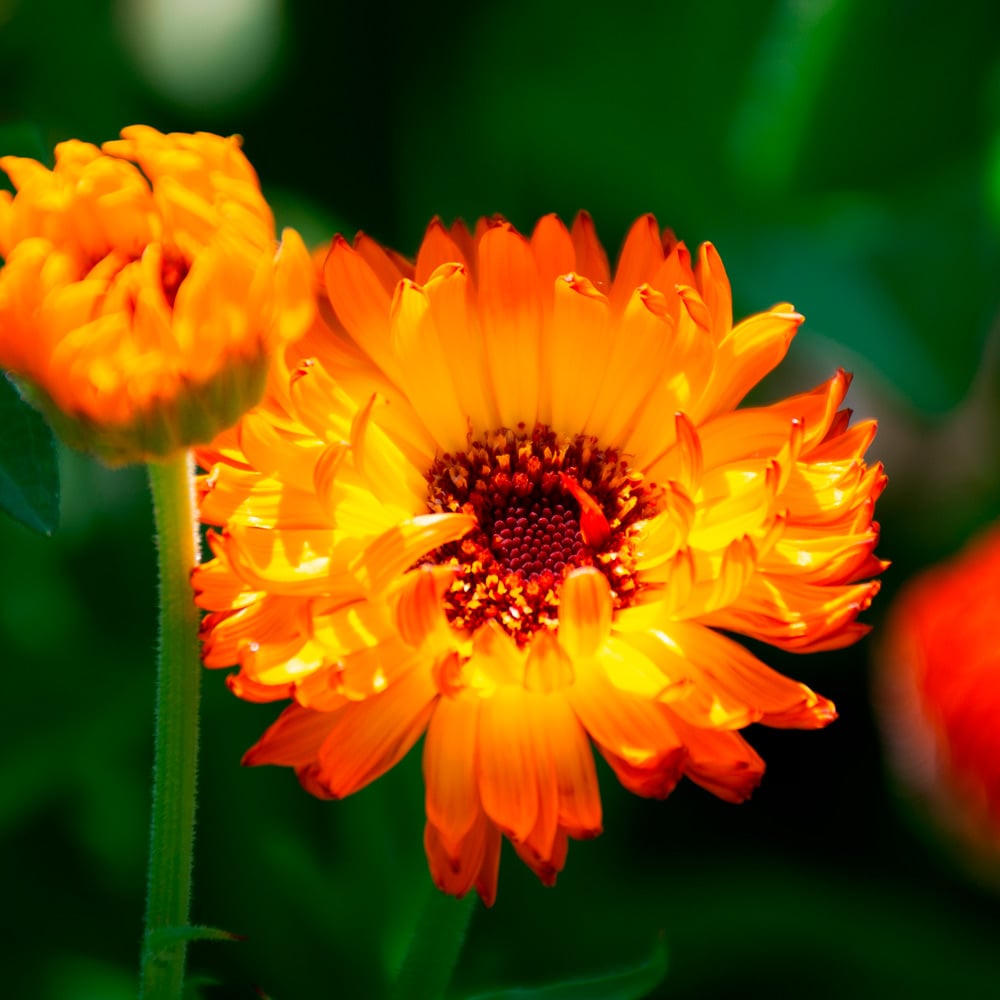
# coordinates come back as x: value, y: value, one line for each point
x: 842, y: 155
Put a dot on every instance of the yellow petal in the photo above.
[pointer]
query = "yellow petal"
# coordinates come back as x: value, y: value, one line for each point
x: 753, y: 348
x: 386, y: 558
x: 391, y: 477
x: 420, y: 614
x: 425, y: 372
x: 547, y: 668
x: 361, y: 303
x: 584, y: 612
x: 450, y: 295
x: 579, y: 333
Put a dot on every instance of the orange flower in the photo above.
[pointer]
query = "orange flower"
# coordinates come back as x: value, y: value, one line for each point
x: 505, y: 499
x: 143, y: 287
x: 940, y: 674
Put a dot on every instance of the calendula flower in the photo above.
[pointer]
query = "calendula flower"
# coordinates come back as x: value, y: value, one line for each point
x: 503, y: 499
x: 940, y: 685
x: 143, y: 288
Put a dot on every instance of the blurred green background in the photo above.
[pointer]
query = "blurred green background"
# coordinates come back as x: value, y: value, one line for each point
x: 841, y: 155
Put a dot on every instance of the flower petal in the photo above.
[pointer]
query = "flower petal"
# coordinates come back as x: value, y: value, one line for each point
x: 507, y: 763
x: 368, y: 737
x: 385, y: 559
x: 476, y: 862
x: 450, y: 774
x: 510, y: 314
x: 579, y: 331
x: 584, y: 612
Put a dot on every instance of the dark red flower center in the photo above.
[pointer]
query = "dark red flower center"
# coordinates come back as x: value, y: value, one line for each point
x: 537, y: 535
x: 545, y: 504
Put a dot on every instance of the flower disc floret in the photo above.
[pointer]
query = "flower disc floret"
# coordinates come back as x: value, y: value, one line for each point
x: 543, y: 505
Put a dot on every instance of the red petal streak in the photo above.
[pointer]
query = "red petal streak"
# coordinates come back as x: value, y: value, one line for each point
x: 594, y: 527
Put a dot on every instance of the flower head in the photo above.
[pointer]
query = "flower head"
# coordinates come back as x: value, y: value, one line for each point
x: 142, y: 289
x: 940, y: 676
x: 504, y: 499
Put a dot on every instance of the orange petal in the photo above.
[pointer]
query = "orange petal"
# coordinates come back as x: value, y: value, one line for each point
x: 641, y: 257
x: 361, y: 302
x: 547, y: 668
x: 594, y: 527
x: 629, y: 726
x: 452, y: 794
x: 795, y: 615
x: 545, y: 863
x: 585, y: 611
x: 267, y: 620
x: 753, y: 349
x: 420, y: 615
x: 389, y: 555
x: 713, y: 285
x: 552, y: 246
x: 721, y: 762
x: 579, y: 330
x: 507, y: 763
x: 293, y: 562
x: 734, y: 688
x: 475, y: 863
x: 426, y: 372
x: 640, y: 344
x: 511, y: 317
x: 368, y: 737
x: 437, y: 248
x: 293, y: 740
x: 591, y: 260
x: 450, y: 295
x: 572, y: 763
x: 655, y: 779
x: 387, y: 265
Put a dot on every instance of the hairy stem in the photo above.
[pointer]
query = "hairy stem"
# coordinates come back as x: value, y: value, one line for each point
x: 176, y: 747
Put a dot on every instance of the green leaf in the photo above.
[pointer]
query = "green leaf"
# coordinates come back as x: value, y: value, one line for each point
x: 434, y: 948
x: 631, y: 983
x: 797, y: 57
x: 29, y: 476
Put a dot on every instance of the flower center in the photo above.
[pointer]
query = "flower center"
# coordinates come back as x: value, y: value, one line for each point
x: 545, y: 504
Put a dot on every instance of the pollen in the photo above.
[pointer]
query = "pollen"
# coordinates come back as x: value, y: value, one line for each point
x: 545, y: 504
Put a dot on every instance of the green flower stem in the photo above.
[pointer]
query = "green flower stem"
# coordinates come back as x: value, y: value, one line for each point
x: 434, y: 949
x: 176, y: 751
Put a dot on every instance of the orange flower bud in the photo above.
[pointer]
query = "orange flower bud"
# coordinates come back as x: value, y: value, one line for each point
x: 143, y: 289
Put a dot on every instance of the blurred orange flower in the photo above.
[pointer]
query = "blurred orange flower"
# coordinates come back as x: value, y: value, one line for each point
x: 940, y: 677
x: 143, y: 287
x: 504, y: 499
